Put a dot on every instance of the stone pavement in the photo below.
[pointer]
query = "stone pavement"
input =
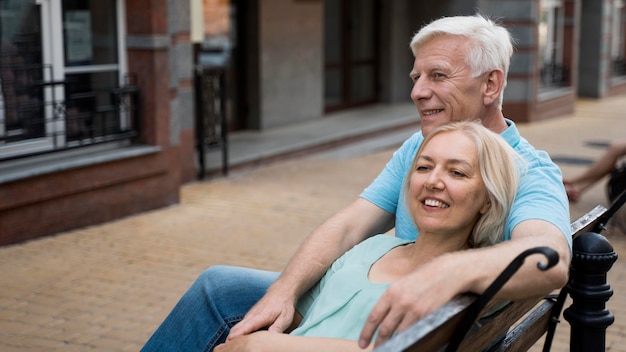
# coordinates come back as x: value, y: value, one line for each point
x: 107, y: 287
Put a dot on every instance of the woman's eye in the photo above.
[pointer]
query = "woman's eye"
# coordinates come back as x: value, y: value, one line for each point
x: 457, y: 173
x: 421, y: 168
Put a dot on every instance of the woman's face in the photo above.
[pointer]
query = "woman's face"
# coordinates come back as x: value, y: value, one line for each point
x: 446, y: 190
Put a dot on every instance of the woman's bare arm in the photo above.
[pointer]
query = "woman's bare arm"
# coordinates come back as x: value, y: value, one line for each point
x: 277, y: 342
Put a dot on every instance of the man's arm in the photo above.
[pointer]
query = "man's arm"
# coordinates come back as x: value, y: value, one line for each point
x: 358, y: 221
x: 429, y: 288
x: 261, y: 341
x: 528, y: 282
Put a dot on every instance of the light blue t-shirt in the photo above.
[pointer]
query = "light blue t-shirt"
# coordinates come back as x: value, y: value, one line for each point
x: 541, y: 194
x: 340, y: 303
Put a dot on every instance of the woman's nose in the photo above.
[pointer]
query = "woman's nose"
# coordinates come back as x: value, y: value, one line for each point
x: 433, y: 181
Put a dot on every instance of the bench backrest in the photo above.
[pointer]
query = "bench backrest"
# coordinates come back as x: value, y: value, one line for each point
x: 521, y: 323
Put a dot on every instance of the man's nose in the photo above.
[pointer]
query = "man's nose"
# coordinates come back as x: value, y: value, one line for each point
x: 421, y: 89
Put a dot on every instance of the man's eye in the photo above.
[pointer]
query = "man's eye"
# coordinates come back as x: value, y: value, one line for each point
x: 438, y: 75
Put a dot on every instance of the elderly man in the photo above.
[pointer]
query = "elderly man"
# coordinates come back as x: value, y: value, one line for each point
x: 459, y: 73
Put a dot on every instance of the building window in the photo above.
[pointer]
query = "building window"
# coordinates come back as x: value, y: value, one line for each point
x: 618, y: 29
x: 62, y: 75
x: 554, y: 72
x: 350, y: 53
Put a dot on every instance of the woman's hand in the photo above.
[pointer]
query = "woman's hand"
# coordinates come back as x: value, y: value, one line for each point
x: 255, y: 341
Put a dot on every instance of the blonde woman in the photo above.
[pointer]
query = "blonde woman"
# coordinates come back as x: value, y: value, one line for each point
x: 460, y: 187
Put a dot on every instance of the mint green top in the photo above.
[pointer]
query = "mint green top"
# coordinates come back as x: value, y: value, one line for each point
x: 340, y: 303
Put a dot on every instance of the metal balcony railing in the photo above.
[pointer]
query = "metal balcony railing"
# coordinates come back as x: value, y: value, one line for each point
x: 31, y: 113
x: 619, y: 67
x: 211, y: 119
x: 554, y: 75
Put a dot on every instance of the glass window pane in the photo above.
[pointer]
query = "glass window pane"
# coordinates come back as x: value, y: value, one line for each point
x: 21, y: 72
x: 90, y: 32
x: 552, y: 70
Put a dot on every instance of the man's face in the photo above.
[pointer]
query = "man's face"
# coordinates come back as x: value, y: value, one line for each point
x: 443, y: 88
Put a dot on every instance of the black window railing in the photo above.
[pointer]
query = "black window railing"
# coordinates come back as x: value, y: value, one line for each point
x: 32, y: 113
x: 619, y: 67
x: 554, y: 75
x: 211, y: 119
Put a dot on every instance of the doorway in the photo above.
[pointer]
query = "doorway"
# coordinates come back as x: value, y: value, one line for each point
x: 351, y: 53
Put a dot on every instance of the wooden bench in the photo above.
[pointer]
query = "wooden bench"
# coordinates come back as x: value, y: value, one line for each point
x: 520, y: 324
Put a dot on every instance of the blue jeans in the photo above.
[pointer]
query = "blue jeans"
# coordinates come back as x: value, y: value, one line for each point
x: 217, y: 300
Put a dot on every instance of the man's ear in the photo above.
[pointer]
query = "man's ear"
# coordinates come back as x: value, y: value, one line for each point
x: 493, y: 86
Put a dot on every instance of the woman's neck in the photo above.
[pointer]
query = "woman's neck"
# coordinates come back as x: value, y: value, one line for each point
x: 403, y: 260
x: 434, y: 245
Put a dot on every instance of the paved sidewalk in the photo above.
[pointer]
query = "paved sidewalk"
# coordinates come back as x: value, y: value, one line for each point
x: 107, y: 287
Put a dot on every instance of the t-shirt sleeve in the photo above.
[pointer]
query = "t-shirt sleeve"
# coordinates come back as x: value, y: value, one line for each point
x: 385, y: 190
x: 541, y: 196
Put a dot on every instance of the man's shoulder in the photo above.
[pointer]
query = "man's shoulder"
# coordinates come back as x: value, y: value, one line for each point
x: 415, y: 139
x: 410, y: 145
x: 533, y: 156
x: 523, y: 147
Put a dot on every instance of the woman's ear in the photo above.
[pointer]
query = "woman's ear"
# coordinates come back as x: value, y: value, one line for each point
x: 485, y: 207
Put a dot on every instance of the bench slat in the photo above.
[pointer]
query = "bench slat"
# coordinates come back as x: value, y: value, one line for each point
x: 432, y: 332
x: 492, y: 328
x: 525, y: 334
x: 588, y: 221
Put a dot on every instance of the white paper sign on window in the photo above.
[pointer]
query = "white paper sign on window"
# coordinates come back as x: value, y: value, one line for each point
x: 78, y: 38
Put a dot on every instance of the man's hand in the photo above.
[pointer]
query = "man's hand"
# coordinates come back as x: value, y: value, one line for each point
x: 274, y: 312
x: 409, y: 300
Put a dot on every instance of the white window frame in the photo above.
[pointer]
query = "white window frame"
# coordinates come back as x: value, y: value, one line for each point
x: 52, y: 51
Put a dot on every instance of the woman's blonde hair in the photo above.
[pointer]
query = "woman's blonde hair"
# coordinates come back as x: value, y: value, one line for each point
x: 500, y: 168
